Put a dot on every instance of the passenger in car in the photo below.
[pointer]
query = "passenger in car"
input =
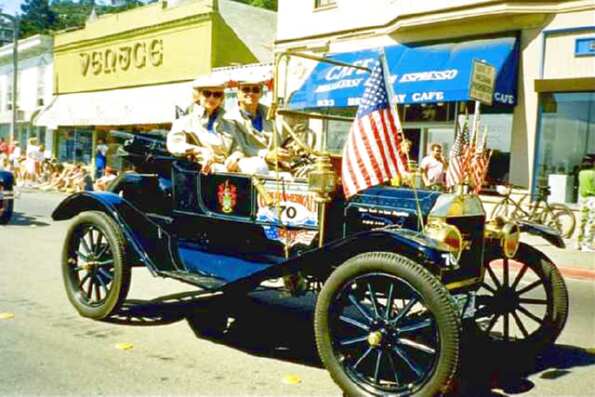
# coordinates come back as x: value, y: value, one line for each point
x: 255, y: 130
x: 204, y: 134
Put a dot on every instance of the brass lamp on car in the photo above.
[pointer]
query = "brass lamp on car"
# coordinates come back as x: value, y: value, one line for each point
x: 446, y: 234
x: 507, y: 232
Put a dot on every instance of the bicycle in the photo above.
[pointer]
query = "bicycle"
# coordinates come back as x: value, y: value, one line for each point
x: 557, y: 215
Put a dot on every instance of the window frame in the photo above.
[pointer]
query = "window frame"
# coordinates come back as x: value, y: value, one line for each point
x: 324, y: 4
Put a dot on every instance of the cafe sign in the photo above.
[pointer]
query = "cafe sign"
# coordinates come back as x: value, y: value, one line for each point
x: 482, y: 82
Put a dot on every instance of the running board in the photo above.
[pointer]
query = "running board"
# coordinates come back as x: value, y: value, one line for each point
x: 204, y: 282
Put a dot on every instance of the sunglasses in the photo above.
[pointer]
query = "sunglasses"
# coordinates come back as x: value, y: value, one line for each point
x: 254, y: 90
x: 214, y: 94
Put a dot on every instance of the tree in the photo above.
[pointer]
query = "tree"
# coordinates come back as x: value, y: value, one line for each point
x: 37, y: 17
x: 268, y: 4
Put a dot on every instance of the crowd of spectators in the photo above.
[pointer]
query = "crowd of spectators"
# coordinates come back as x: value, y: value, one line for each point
x: 34, y: 168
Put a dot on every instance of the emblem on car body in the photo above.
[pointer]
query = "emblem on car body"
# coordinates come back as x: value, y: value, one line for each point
x: 227, y: 196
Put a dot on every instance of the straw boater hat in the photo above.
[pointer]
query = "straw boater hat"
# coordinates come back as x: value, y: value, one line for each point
x: 209, y: 81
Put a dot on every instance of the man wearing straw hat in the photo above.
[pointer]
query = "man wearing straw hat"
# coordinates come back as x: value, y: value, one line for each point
x: 255, y: 130
x: 204, y: 134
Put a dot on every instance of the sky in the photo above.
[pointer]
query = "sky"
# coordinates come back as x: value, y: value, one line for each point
x: 10, y: 6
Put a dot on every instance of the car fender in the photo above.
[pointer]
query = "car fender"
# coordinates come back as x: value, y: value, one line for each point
x: 549, y: 234
x: 151, y: 247
x: 323, y: 260
x: 6, y: 179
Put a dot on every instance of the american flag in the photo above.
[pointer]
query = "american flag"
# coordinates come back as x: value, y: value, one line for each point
x: 479, y: 164
x: 372, y: 155
x: 458, y: 158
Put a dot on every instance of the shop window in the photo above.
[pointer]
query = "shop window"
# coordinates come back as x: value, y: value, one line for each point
x: 75, y: 145
x: 566, y: 135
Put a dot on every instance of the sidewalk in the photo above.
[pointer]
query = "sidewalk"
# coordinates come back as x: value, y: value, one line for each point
x: 571, y: 262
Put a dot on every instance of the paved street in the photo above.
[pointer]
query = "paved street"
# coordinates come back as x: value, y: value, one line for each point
x: 47, y: 349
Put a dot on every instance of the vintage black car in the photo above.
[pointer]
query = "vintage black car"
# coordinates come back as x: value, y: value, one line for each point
x: 399, y: 273
x: 6, y: 196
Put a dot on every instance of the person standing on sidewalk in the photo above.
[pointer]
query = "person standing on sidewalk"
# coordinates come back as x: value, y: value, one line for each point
x: 586, y: 193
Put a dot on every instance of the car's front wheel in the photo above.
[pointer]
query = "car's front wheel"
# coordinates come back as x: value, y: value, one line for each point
x: 385, y: 326
x: 94, y: 268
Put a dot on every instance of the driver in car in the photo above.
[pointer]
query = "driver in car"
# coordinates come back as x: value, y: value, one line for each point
x: 255, y: 130
x: 204, y: 134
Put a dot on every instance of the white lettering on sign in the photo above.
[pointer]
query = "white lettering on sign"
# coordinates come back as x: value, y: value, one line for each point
x: 507, y: 99
x: 353, y: 101
x: 401, y: 98
x: 112, y: 60
x: 429, y: 76
x: 428, y: 96
x: 341, y: 72
x: 325, y: 102
x: 338, y: 85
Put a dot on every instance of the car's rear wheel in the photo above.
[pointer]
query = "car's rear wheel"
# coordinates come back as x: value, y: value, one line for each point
x: 94, y: 268
x: 6, y: 208
x: 522, y: 305
x: 385, y: 326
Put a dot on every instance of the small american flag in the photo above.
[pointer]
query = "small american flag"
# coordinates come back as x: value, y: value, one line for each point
x: 372, y: 154
x: 479, y: 164
x: 458, y: 158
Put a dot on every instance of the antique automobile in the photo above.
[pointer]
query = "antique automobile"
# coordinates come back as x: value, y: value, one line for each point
x: 399, y: 273
x: 6, y: 196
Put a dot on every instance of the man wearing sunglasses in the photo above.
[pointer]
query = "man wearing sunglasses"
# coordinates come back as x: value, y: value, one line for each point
x: 204, y: 134
x: 255, y: 131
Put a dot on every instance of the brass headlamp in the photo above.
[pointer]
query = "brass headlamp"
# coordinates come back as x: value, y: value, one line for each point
x: 447, y: 234
x: 507, y: 232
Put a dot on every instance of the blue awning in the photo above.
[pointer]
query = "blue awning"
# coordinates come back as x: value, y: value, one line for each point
x: 419, y: 73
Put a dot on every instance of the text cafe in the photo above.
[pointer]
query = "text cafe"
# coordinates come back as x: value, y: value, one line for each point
x: 431, y: 83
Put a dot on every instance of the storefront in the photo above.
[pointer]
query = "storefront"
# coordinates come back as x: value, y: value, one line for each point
x: 430, y: 85
x: 132, y: 72
x: 566, y: 114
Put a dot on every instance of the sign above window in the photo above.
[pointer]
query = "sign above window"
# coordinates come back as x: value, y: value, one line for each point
x: 585, y: 47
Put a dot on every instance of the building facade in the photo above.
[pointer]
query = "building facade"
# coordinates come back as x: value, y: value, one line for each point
x: 34, y: 88
x: 540, y: 126
x: 132, y: 71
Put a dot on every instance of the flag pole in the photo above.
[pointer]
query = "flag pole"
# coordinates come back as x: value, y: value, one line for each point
x: 475, y: 126
x: 393, y: 102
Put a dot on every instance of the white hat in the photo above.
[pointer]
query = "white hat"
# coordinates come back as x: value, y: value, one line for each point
x: 209, y: 80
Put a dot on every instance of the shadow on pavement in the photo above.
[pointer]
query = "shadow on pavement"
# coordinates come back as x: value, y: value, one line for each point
x: 486, y: 372
x: 20, y: 219
x: 267, y: 324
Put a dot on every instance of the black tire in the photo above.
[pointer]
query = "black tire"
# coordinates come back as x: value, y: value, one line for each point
x: 560, y: 218
x: 502, y: 304
x: 94, y: 268
x: 427, y: 325
x: 6, y: 209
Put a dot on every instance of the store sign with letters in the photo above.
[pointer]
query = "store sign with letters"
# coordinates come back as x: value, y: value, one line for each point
x: 136, y: 55
x: 483, y: 79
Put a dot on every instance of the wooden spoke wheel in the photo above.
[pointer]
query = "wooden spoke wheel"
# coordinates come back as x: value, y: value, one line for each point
x: 95, y: 273
x: 523, y: 301
x: 386, y: 327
